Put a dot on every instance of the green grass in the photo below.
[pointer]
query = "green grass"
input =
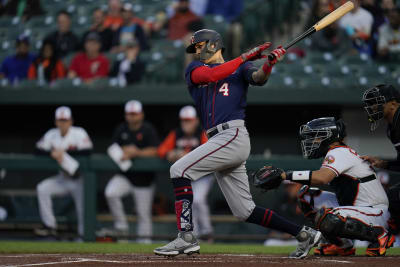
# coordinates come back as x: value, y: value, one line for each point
x: 99, y: 248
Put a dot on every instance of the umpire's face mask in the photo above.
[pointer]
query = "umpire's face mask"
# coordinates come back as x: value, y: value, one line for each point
x: 374, y: 103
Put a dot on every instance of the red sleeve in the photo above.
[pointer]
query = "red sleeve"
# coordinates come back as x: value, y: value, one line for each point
x: 74, y: 64
x: 167, y: 145
x: 32, y: 72
x: 60, y: 70
x: 203, y: 138
x: 104, y: 67
x: 205, y: 74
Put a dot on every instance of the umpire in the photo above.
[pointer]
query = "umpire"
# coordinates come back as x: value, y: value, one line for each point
x: 137, y: 139
x: 382, y: 102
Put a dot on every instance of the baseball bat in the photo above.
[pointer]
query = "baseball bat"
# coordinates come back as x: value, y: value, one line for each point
x: 324, y: 22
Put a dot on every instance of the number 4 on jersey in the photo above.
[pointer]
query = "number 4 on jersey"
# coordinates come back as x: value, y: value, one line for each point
x: 224, y: 89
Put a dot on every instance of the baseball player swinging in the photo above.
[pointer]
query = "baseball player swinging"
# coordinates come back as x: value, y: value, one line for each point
x: 219, y: 91
x: 363, y: 211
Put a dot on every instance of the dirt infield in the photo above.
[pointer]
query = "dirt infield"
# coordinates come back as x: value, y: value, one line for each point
x: 231, y: 260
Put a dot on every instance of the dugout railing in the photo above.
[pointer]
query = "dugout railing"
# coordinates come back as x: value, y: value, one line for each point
x: 99, y: 163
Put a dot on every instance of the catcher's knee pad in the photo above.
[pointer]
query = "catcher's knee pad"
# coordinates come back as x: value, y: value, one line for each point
x: 328, y: 223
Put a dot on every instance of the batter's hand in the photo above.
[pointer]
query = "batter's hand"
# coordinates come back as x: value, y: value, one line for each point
x: 255, y: 53
x: 278, y: 54
x: 375, y: 162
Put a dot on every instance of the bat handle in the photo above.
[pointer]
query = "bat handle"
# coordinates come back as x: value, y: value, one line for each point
x: 271, y: 57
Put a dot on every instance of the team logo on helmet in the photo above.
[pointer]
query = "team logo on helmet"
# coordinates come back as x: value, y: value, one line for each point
x: 192, y: 40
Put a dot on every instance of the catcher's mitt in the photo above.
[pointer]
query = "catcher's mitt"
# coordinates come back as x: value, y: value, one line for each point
x: 267, y: 178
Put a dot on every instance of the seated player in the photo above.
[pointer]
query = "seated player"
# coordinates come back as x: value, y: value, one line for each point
x: 363, y: 205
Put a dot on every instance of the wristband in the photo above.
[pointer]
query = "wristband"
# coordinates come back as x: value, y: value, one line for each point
x: 301, y: 177
x: 267, y: 68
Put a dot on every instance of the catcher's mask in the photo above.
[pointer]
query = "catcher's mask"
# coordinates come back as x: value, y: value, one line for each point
x: 318, y: 134
x: 213, y: 43
x: 374, y: 99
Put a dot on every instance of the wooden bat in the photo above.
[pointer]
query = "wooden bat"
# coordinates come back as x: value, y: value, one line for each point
x: 326, y: 21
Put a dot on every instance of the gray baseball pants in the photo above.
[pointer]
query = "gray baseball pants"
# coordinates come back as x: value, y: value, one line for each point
x: 224, y: 154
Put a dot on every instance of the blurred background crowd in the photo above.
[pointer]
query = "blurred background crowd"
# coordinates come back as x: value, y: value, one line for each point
x: 92, y: 40
x: 96, y: 55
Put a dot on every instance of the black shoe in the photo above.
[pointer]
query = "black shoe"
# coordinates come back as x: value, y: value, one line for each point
x: 45, y: 231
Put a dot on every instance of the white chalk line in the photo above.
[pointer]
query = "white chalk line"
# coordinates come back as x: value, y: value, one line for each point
x: 43, y: 263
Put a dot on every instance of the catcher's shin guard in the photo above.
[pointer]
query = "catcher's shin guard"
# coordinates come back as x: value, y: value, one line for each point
x: 332, y: 226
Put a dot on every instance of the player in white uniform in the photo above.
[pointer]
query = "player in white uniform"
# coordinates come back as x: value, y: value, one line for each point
x: 363, y: 210
x: 62, y: 143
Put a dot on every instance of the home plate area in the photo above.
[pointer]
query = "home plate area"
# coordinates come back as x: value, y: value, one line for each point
x: 231, y: 260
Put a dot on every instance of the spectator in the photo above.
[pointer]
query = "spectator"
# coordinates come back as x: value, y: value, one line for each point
x: 114, y: 18
x: 62, y: 144
x: 134, y: 138
x: 389, y: 37
x: 64, y: 39
x: 358, y: 25
x: 177, y: 144
x: 129, y: 31
x: 131, y: 68
x: 106, y: 35
x: 230, y: 10
x: 47, y: 67
x: 15, y: 68
x: 318, y: 10
x: 25, y: 9
x: 91, y: 64
x: 182, y: 23
x: 332, y: 39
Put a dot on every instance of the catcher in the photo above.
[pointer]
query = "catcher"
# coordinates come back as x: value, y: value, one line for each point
x: 363, y: 205
x: 309, y: 200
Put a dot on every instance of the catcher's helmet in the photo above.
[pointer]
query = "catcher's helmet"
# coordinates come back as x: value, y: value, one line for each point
x: 318, y: 134
x: 374, y: 98
x: 213, y: 40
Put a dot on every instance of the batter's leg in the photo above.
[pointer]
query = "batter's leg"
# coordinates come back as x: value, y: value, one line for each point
x: 143, y: 203
x: 201, y: 210
x: 118, y: 187
x: 46, y: 189
x: 234, y: 185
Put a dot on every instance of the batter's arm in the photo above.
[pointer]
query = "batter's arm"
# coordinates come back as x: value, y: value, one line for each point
x: 262, y: 74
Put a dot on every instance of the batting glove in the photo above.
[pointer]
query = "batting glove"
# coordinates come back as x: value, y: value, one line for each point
x: 255, y: 53
x: 276, y: 55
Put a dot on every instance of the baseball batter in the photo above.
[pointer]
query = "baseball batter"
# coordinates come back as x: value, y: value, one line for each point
x: 62, y: 144
x: 363, y: 205
x: 219, y: 91
x: 177, y: 144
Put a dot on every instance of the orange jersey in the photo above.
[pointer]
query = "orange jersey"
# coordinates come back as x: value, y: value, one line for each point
x: 177, y: 140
